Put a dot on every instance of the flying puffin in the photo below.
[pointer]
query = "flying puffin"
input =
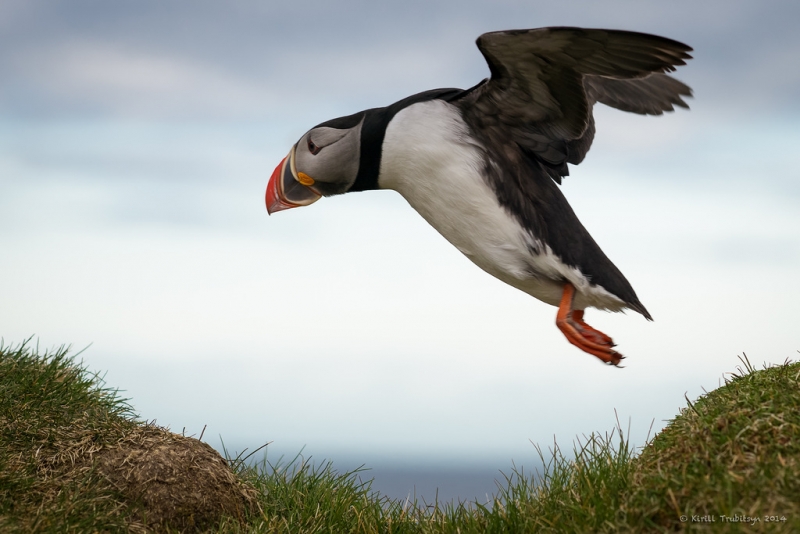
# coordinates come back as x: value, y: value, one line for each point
x: 483, y: 165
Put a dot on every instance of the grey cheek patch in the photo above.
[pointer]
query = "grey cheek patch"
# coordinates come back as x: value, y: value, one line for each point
x: 335, y: 167
x: 325, y: 136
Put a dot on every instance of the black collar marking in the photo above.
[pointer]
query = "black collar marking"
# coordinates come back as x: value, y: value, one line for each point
x: 373, y: 132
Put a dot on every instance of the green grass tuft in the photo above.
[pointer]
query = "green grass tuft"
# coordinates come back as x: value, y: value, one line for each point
x: 734, y: 452
x: 51, y: 411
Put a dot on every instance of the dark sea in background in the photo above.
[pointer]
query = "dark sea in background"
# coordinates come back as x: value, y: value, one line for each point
x: 428, y: 485
x: 426, y: 482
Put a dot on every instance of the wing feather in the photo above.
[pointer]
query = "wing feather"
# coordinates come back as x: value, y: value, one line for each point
x: 545, y: 81
x: 652, y: 95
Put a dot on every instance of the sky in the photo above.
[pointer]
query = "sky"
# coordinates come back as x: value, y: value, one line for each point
x: 136, y: 141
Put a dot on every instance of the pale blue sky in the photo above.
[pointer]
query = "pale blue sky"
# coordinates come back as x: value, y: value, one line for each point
x: 136, y: 140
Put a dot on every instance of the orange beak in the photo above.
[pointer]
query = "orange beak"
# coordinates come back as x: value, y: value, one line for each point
x: 285, y: 191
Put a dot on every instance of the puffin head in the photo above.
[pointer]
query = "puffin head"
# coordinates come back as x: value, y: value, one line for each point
x: 324, y: 162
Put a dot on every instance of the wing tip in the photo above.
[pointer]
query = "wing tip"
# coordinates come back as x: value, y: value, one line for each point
x: 639, y: 307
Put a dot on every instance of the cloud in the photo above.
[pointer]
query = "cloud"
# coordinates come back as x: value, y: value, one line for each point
x: 92, y: 75
x: 249, y: 59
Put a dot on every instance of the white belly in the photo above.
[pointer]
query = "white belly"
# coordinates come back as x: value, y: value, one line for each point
x: 430, y: 159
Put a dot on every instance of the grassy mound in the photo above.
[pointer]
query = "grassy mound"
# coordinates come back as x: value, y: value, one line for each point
x: 732, y: 457
x: 74, y: 458
x: 730, y: 462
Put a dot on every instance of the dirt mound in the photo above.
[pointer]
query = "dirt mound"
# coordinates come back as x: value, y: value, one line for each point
x: 155, y: 479
x: 172, y: 480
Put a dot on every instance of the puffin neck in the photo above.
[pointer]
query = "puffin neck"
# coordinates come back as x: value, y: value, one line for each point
x: 373, y: 133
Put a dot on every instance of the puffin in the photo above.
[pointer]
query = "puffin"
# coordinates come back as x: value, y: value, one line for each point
x: 483, y: 166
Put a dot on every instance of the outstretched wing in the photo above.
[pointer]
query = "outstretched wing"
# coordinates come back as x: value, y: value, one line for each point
x: 544, y: 83
x: 534, y: 116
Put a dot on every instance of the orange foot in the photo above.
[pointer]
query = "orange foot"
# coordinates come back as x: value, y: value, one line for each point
x: 580, y: 334
x: 596, y: 335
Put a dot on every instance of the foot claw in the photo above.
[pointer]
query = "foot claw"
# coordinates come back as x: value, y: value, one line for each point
x: 583, y: 336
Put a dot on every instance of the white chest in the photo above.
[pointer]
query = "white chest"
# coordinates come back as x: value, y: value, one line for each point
x: 430, y: 158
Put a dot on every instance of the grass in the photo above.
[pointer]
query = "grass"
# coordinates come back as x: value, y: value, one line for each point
x: 732, y: 454
x: 51, y: 412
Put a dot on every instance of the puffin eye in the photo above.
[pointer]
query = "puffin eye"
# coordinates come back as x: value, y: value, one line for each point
x: 314, y: 149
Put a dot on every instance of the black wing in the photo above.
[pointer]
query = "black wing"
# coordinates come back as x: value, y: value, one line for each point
x: 534, y: 115
x: 544, y: 83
